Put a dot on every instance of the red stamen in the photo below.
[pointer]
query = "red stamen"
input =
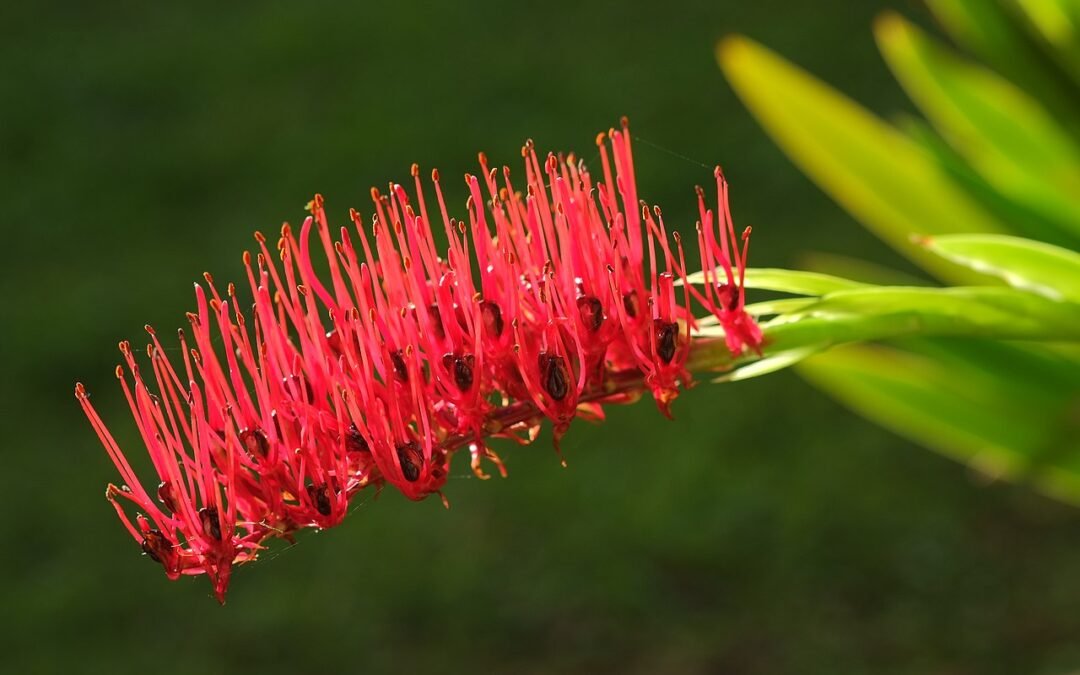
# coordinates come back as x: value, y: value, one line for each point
x: 547, y: 304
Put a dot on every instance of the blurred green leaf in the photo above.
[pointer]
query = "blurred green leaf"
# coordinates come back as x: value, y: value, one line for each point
x: 1048, y: 270
x: 1034, y: 372
x: 878, y: 174
x: 1005, y: 134
x: 990, y: 32
x: 1007, y: 159
x: 1057, y: 22
x: 1021, y: 219
x: 953, y: 410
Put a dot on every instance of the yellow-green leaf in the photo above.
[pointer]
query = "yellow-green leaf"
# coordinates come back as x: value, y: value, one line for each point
x: 872, y: 313
x: 878, y: 313
x: 1004, y: 134
x: 884, y: 179
x: 959, y: 310
x: 993, y: 34
x: 930, y: 402
x: 1022, y: 220
x: 770, y: 364
x: 1032, y: 265
x: 1057, y: 22
x: 786, y: 281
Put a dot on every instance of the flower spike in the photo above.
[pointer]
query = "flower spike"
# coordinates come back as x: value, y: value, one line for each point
x: 544, y: 303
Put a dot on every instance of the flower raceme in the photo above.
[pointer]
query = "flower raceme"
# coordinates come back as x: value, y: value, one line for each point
x: 547, y: 303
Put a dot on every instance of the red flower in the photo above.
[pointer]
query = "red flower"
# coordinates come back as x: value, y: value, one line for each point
x: 547, y: 303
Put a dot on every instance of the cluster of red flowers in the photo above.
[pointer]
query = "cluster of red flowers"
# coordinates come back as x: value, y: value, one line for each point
x: 546, y: 304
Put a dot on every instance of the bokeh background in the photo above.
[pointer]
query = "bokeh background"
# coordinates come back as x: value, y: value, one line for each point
x: 767, y: 530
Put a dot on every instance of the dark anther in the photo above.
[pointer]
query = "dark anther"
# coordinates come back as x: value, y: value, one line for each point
x: 292, y: 386
x: 255, y: 442
x: 320, y: 495
x: 666, y: 335
x: 463, y: 372
x: 354, y: 440
x: 591, y: 312
x: 400, y: 370
x: 166, y: 495
x: 492, y: 317
x: 462, y: 367
x: 630, y: 304
x: 729, y: 296
x: 553, y: 376
x: 155, y: 545
x: 211, y: 524
x: 436, y: 321
x: 411, y: 459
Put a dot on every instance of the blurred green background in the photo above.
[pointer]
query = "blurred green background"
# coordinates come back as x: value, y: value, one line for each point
x: 767, y: 530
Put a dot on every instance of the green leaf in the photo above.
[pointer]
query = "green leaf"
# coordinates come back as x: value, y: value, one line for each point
x: 991, y: 33
x: 707, y: 326
x: 1021, y: 219
x: 786, y: 281
x: 874, y: 313
x: 779, y: 306
x: 1005, y: 135
x: 879, y: 313
x: 770, y: 364
x: 1035, y: 372
x: 884, y: 179
x: 1057, y: 22
x: 959, y: 310
x: 952, y: 409
x: 1032, y: 265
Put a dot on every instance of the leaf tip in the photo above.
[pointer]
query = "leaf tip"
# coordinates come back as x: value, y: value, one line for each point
x: 889, y: 26
x: 732, y: 49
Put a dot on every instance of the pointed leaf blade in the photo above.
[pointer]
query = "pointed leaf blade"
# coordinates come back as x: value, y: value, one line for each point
x: 991, y: 32
x: 1023, y: 263
x: 795, y: 282
x: 1004, y: 134
x: 926, y: 401
x: 884, y: 179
